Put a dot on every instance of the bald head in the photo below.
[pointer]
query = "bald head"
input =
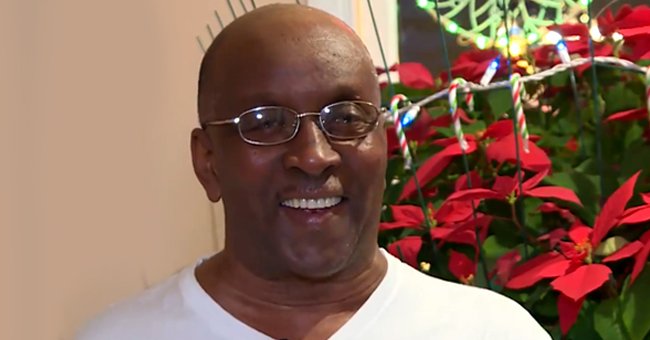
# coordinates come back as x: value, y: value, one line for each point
x: 272, y: 43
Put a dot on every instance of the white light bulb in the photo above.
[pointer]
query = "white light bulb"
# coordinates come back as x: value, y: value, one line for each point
x: 552, y: 37
x: 515, y: 49
x: 595, y: 33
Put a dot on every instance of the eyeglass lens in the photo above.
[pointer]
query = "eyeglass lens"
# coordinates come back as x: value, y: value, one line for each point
x: 344, y: 120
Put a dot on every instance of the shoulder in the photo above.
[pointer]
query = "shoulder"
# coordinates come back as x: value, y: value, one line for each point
x: 455, y: 305
x: 136, y: 317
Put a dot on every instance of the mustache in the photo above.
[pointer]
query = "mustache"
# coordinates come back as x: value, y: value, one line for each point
x: 330, y: 184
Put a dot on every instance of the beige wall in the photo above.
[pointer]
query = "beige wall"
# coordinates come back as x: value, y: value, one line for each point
x: 97, y: 195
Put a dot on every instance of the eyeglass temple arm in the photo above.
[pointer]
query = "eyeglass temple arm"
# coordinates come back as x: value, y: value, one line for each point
x: 222, y: 122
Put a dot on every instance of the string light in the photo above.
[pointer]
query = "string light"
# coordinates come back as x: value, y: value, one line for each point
x: 617, y: 36
x: 409, y: 117
x: 552, y: 38
x: 491, y: 71
x: 452, y: 27
x: 563, y: 52
x: 487, y: 31
x: 595, y: 34
x: 481, y: 42
x: 516, y: 49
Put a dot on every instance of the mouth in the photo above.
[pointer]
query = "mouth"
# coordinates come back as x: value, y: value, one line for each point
x: 312, y: 204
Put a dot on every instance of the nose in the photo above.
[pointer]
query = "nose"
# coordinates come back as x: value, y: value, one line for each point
x: 310, y: 150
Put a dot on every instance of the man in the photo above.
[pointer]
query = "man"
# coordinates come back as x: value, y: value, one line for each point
x: 292, y: 139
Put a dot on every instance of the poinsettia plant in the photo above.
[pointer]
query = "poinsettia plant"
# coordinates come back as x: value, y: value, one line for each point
x: 564, y: 228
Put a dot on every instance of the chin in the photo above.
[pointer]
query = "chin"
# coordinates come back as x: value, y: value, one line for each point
x: 321, y: 265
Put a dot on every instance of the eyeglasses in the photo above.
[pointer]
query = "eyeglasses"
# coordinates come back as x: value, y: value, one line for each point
x: 272, y: 125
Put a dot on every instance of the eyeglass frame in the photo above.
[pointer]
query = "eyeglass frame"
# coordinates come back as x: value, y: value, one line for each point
x: 381, y: 111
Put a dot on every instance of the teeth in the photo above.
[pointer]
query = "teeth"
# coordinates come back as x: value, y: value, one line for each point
x: 312, y: 203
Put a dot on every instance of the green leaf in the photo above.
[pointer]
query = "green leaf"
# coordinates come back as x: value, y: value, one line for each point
x: 633, y: 134
x: 492, y: 249
x: 437, y: 111
x: 480, y: 279
x: 636, y: 306
x: 585, y: 186
x: 394, y: 170
x: 413, y: 94
x: 479, y: 125
x: 610, y: 246
x: 559, y: 80
x: 606, y: 320
x: 584, y: 327
x: 500, y: 101
x: 533, y: 217
x: 506, y: 232
x: 546, y: 305
x: 626, y: 316
x: 620, y: 97
x: 446, y: 131
x: 636, y: 157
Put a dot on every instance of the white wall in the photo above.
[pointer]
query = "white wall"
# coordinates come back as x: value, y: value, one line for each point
x: 97, y: 194
x: 357, y: 14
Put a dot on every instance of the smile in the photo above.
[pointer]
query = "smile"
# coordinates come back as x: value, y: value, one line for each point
x: 312, y: 203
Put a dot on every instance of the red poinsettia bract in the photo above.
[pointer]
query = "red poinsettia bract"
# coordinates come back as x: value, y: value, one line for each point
x: 633, y: 24
x: 627, y: 21
x: 407, y: 249
x: 462, y: 267
x: 412, y: 75
x: 433, y: 166
x: 572, y: 267
x: 628, y: 115
x: 421, y: 130
x: 507, y: 189
x: 471, y: 65
x: 409, y: 216
x: 502, y: 148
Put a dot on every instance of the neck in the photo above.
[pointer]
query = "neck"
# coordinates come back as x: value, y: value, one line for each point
x: 225, y: 278
x: 294, y: 308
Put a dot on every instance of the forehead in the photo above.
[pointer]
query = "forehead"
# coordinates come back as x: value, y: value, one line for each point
x: 303, y: 66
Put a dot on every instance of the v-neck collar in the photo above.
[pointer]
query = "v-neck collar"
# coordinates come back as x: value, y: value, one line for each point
x: 209, y: 310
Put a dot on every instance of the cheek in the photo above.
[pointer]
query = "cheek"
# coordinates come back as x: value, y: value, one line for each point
x: 368, y: 158
x: 374, y: 155
x: 248, y: 169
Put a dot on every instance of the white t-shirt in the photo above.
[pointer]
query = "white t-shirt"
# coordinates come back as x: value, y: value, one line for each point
x: 406, y: 305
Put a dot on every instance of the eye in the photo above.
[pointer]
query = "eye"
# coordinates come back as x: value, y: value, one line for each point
x: 348, y: 119
x: 268, y: 124
x: 265, y: 121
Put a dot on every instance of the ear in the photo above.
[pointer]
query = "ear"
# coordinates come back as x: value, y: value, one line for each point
x: 203, y: 159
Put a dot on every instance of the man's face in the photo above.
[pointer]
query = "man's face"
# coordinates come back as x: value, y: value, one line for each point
x: 260, y: 184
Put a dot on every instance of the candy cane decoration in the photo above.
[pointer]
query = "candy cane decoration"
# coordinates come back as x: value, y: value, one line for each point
x: 517, y: 88
x: 399, y: 129
x: 453, y: 110
x: 469, y: 100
